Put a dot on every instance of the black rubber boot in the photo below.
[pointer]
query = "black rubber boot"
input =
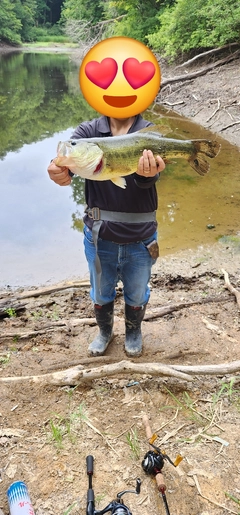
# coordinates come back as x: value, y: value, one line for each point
x: 104, y: 318
x: 133, y: 318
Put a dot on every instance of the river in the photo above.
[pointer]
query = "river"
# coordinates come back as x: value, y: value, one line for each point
x: 40, y: 223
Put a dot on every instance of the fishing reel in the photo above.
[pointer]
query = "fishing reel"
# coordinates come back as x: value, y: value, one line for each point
x: 153, y: 461
x: 116, y: 507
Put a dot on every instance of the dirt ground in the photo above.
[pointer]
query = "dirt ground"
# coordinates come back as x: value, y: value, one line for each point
x: 47, y: 430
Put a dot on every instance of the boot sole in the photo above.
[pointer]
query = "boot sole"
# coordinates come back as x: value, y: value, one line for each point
x: 133, y: 355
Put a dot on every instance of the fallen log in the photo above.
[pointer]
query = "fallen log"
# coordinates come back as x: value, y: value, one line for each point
x: 77, y: 375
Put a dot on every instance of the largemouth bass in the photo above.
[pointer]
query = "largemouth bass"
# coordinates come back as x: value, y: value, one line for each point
x: 112, y: 158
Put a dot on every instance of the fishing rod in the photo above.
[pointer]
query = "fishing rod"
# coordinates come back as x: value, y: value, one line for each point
x: 116, y: 507
x: 153, y: 462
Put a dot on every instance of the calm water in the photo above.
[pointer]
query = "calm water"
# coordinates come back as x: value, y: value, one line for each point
x: 40, y: 223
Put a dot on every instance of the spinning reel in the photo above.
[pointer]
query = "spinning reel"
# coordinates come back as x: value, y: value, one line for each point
x: 116, y: 507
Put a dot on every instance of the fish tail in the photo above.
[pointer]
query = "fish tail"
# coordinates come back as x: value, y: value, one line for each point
x: 209, y: 148
x: 197, y: 160
x: 199, y: 164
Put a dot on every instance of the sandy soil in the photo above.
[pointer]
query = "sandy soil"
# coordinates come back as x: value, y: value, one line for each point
x: 47, y: 430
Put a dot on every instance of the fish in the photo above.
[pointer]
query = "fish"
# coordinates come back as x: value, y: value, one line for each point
x: 113, y: 158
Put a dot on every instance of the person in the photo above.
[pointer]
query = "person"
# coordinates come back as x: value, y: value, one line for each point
x: 125, y: 243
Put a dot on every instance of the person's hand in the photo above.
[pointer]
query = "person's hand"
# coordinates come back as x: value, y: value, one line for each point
x: 59, y: 174
x: 148, y: 165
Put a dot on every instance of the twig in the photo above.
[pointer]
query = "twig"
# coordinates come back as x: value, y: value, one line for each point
x: 229, y: 286
x: 214, y: 112
x: 210, y: 500
x: 230, y: 125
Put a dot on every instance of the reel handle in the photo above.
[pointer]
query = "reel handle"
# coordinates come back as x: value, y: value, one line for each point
x: 159, y: 477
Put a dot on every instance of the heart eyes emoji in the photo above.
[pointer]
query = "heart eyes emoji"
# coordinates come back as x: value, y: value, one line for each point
x: 103, y: 74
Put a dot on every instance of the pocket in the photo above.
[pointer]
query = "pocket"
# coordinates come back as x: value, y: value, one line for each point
x: 151, y: 246
x: 88, y: 234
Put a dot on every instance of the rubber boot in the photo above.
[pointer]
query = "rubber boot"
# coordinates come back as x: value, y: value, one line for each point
x: 133, y: 318
x: 104, y: 318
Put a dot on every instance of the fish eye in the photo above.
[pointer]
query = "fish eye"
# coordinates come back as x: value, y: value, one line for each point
x: 73, y: 142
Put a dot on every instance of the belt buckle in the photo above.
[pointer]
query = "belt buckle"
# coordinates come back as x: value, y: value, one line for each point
x: 94, y: 213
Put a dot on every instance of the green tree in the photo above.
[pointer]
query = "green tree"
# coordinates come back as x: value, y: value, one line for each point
x: 196, y: 24
x: 26, y: 12
x: 82, y: 10
x: 140, y: 17
x: 10, y: 25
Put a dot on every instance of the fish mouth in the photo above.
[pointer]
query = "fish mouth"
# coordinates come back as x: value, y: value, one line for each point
x: 115, y: 101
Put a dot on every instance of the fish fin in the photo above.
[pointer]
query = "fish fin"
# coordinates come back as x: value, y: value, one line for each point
x: 159, y: 129
x: 199, y: 164
x: 119, y: 181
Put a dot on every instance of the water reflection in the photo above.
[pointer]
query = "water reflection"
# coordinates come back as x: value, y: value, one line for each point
x: 40, y: 233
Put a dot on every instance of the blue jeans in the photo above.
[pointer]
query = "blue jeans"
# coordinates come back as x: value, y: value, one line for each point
x: 131, y: 263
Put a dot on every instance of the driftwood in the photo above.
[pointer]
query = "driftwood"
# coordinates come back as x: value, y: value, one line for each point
x: 46, y: 290
x: 76, y: 375
x: 231, y: 288
x: 166, y: 310
x: 11, y: 306
x: 200, y: 72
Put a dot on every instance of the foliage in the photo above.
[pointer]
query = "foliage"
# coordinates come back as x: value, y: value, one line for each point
x: 81, y: 10
x: 25, y: 11
x: 10, y: 25
x: 196, y: 24
x: 140, y: 17
x: 169, y: 26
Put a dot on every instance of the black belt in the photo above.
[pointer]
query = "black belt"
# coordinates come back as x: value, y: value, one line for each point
x: 100, y: 215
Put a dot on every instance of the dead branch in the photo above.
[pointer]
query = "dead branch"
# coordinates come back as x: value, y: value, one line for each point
x: 231, y: 288
x: 166, y: 310
x: 221, y: 369
x: 172, y: 104
x: 76, y: 375
x: 230, y: 125
x: 200, y: 72
x: 52, y: 289
x: 213, y: 51
x: 215, y: 111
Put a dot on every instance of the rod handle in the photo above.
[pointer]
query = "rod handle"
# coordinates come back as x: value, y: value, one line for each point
x: 89, y: 460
